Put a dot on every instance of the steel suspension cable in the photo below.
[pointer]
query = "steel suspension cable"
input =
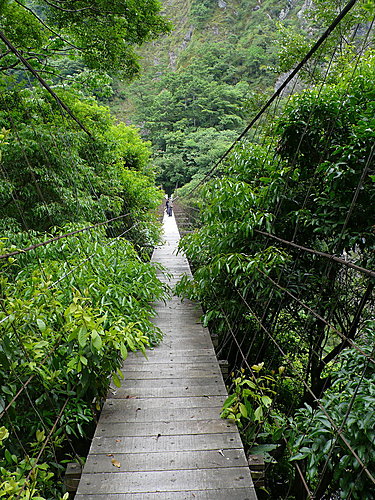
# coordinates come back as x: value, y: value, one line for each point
x: 294, y: 72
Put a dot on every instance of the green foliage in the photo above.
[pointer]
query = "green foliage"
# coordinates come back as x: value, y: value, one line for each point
x: 103, y: 36
x: 201, y: 10
x: 191, y: 122
x: 196, y: 92
x: 324, y: 437
x: 67, y: 323
x: 310, y: 182
x: 348, y: 39
x: 250, y: 405
x: 54, y: 173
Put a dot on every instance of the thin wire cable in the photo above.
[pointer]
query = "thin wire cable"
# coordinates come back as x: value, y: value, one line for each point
x: 56, y: 238
x: 9, y: 44
x: 317, y: 401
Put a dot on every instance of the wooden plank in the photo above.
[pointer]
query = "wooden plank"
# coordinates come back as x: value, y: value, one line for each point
x: 182, y: 381
x: 214, y: 426
x: 161, y: 351
x: 161, y: 415
x: 163, y: 481
x: 175, y: 367
x: 171, y: 403
x: 176, y: 460
x: 173, y: 373
x: 150, y: 444
x: 223, y: 494
x: 166, y: 359
x: 129, y: 392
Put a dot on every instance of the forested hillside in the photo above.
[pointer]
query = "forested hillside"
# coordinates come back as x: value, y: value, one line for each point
x: 201, y: 82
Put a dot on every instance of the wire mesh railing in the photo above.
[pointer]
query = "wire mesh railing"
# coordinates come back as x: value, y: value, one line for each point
x: 283, y: 263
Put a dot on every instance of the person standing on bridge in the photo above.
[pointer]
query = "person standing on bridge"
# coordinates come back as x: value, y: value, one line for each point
x: 170, y: 207
x: 166, y: 203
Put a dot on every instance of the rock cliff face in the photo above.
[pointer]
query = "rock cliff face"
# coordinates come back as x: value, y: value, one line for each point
x: 239, y: 35
x: 233, y: 21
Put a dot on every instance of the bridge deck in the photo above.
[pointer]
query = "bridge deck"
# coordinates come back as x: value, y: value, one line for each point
x: 160, y: 436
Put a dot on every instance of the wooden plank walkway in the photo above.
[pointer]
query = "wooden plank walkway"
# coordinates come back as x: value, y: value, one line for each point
x: 162, y: 427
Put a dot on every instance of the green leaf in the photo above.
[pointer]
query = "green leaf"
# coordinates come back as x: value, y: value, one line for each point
x: 96, y: 340
x: 298, y: 456
x: 83, y: 360
x: 82, y: 336
x: 124, y: 351
x: 40, y: 436
x: 258, y: 414
x: 116, y: 380
x: 4, y: 434
x: 266, y: 401
x: 228, y: 402
x: 41, y: 325
x: 277, y: 434
x: 243, y: 410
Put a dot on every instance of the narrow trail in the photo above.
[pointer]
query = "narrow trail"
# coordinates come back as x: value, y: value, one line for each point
x: 160, y: 435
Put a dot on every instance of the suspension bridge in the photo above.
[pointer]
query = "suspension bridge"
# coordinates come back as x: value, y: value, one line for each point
x: 160, y: 436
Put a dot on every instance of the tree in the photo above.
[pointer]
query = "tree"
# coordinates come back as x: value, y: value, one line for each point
x: 103, y: 35
x: 350, y: 38
x: 54, y: 173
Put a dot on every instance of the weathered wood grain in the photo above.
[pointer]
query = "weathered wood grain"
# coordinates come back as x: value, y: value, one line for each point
x: 160, y: 415
x: 163, y: 481
x: 150, y: 444
x: 223, y: 494
x: 133, y: 392
x: 214, y: 426
x: 163, y: 402
x: 174, y: 460
x: 182, y: 381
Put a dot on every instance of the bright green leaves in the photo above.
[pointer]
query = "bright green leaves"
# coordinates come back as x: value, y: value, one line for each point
x: 96, y: 340
x: 250, y: 401
x: 4, y: 434
x: 68, y: 342
x: 79, y: 179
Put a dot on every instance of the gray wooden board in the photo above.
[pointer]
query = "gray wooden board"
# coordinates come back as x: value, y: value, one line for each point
x: 129, y: 392
x: 187, y: 442
x: 160, y: 350
x: 175, y: 373
x: 159, y: 358
x: 160, y: 415
x: 223, y: 494
x: 162, y: 428
x: 171, y: 403
x: 176, y: 460
x: 175, y: 367
x: 158, y: 481
x: 214, y: 426
x: 182, y: 381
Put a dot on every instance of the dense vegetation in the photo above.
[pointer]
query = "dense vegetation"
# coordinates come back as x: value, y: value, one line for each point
x: 303, y: 323
x: 200, y: 83
x: 71, y: 310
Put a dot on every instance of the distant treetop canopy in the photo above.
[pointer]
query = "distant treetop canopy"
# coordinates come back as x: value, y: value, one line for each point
x: 101, y: 34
